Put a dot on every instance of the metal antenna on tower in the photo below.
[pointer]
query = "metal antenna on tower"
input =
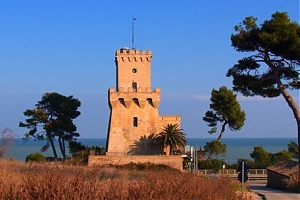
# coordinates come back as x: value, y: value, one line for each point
x: 132, y: 27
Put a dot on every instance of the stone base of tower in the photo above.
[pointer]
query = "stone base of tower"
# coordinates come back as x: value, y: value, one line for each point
x: 174, y: 161
x: 116, y: 153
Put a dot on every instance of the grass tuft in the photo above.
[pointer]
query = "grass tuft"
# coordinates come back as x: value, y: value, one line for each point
x: 58, y: 181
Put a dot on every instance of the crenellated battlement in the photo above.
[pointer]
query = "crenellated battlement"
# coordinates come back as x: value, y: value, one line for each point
x: 127, y: 51
x: 131, y: 89
x: 170, y: 118
x: 126, y: 96
x: 133, y: 55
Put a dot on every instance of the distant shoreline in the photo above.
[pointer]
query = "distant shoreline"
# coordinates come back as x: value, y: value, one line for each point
x: 236, y: 147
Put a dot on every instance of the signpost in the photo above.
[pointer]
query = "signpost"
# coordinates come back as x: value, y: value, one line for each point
x: 194, y: 159
x: 242, y: 176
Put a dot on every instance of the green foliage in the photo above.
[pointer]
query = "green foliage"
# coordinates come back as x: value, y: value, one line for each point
x: 275, y: 43
x: 224, y: 109
x: 51, y: 119
x: 80, y: 152
x: 98, y: 150
x: 35, y: 157
x: 250, y: 163
x: 186, y: 163
x: 215, y: 164
x: 273, y: 63
x: 264, y: 159
x: 146, y: 145
x: 293, y: 149
x: 261, y: 157
x: 280, y: 156
x: 75, y: 146
x: 216, y: 148
x: 171, y: 136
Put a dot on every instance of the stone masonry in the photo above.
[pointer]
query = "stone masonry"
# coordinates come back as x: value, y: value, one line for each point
x: 133, y: 104
x: 172, y: 161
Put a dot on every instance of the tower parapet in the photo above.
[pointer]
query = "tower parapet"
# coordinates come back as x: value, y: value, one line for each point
x: 125, y: 50
x: 125, y: 96
x: 133, y: 55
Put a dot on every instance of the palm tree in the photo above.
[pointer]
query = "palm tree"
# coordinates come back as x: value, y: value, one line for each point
x: 145, y: 146
x: 171, y: 137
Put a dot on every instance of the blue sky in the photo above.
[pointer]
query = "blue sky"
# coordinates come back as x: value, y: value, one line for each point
x: 68, y: 47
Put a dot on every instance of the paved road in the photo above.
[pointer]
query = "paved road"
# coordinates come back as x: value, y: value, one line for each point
x: 271, y: 194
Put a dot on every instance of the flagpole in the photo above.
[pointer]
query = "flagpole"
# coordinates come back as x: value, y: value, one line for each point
x: 132, y: 27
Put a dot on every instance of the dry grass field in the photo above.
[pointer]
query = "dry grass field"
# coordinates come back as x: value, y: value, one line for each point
x: 20, y: 181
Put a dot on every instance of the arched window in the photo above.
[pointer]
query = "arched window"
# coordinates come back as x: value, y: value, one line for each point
x: 134, y: 86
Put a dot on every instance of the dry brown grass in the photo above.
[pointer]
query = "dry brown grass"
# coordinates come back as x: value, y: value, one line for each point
x: 45, y: 181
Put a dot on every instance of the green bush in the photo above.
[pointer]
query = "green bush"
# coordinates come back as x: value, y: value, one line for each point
x: 36, y: 157
x: 211, y: 164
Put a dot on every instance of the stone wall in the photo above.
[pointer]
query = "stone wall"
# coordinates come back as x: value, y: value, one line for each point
x: 172, y: 161
x: 277, y: 180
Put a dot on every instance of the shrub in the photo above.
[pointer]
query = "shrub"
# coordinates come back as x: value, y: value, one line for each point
x: 211, y: 164
x: 35, y: 157
x: 44, y: 181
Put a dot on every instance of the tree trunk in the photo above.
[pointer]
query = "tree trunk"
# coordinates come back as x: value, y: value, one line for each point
x: 167, y: 149
x: 298, y: 124
x: 209, y: 157
x: 219, y: 138
x: 52, y: 146
x: 291, y: 103
x: 64, y: 152
x: 62, y: 147
x: 222, y: 130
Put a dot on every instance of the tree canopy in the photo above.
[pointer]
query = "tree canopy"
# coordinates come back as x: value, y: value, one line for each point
x: 274, y: 44
x: 216, y: 148
x: 51, y: 119
x: 224, y: 109
x: 272, y: 64
x: 263, y: 159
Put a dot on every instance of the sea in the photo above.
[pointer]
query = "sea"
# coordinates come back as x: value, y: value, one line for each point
x: 236, y: 147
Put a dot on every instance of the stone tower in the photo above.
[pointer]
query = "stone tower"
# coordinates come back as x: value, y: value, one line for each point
x: 133, y: 104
